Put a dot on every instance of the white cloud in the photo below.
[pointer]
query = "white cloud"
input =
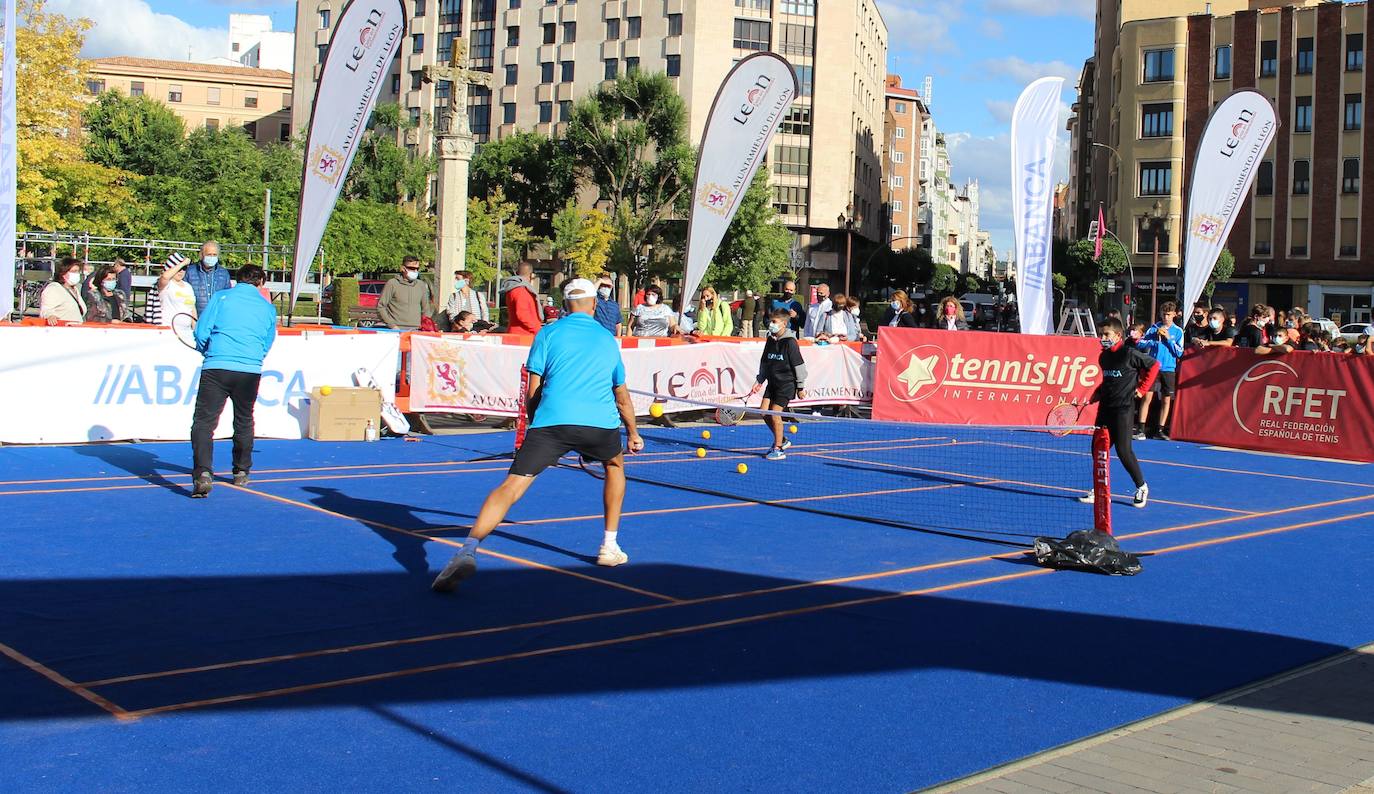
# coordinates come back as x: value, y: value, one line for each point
x: 1000, y: 110
x: 1019, y: 70
x: 131, y: 27
x: 1041, y: 8
x: 992, y: 28
x: 920, y: 24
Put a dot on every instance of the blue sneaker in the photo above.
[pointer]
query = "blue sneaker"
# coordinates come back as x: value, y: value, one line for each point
x: 786, y: 444
x: 775, y: 454
x: 462, y: 566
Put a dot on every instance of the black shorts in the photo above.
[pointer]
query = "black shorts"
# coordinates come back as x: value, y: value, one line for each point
x: 545, y: 445
x: 780, y: 394
x: 1166, y: 383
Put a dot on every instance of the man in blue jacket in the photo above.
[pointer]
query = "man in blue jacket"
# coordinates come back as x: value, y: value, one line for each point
x: 234, y: 332
x: 1167, y: 352
x: 207, y: 276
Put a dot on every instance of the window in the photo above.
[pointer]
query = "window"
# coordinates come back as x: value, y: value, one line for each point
x: 674, y: 65
x: 789, y: 200
x: 252, y: 129
x: 752, y: 34
x: 513, y: 36
x: 96, y: 87
x: 797, y: 121
x: 900, y: 132
x: 545, y: 112
x: 569, y: 32
x: 550, y: 33
x: 414, y: 115
x: 212, y: 124
x: 897, y: 206
x: 1156, y: 179
x: 320, y: 51
x: 174, y: 93
x: 136, y: 88
x: 804, y: 81
x: 633, y: 25
x: 212, y: 95
x: 566, y: 72
x: 1354, y: 111
x: 450, y: 12
x: 1159, y: 66
x: 1302, y: 114
x: 757, y: 5
x: 395, y: 84
x: 417, y: 42
x: 508, y: 113
x: 896, y: 230
x: 443, y: 89
x: 1222, y: 70
x: 546, y: 72
x: 284, y: 132
x: 324, y: 19
x: 1264, y: 180
x: 797, y: 39
x: 1302, y: 177
x: 612, y: 29
x: 612, y: 69
x: 1350, y: 175
x: 631, y: 66
x: 899, y: 157
x: 674, y: 24
x: 1264, y: 235
x: 1269, y: 58
x: 419, y: 8
x: 1350, y: 234
x: 250, y: 99
x: 480, y: 120
x: 1157, y: 120
x: 1146, y: 235
x: 1297, y: 239
x: 565, y: 110
x: 1304, y: 60
x: 416, y: 80
x: 795, y: 160
x: 512, y: 74
x: 899, y: 108
x: 803, y: 8
x: 1354, y: 52
x: 898, y: 180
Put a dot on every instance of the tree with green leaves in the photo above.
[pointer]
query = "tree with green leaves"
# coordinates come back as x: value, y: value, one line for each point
x: 1224, y: 269
x: 757, y: 247
x: 905, y: 269
x: 486, y: 218
x: 371, y: 237
x: 383, y: 171
x: 630, y: 141
x: 582, y: 238
x: 137, y: 134
x: 536, y: 173
x: 1085, y: 275
x: 944, y: 280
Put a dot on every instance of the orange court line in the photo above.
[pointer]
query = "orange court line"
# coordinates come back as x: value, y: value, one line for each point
x: 64, y: 682
x: 695, y: 628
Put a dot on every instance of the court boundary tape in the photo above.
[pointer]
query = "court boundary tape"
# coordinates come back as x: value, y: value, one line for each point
x: 26, y: 661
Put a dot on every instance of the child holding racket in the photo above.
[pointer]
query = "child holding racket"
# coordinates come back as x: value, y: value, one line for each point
x: 782, y: 377
x: 1127, y: 374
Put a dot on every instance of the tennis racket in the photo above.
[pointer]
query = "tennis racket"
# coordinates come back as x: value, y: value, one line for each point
x: 593, y: 467
x: 184, y: 327
x: 1063, y: 418
x: 731, y: 412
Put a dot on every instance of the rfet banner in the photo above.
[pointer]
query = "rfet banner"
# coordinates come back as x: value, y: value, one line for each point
x: 1319, y: 404
x: 72, y: 385
x: 449, y: 375
x: 976, y: 378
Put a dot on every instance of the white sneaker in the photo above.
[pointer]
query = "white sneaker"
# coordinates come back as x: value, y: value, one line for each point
x: 1142, y: 495
x: 611, y: 557
x: 1088, y: 498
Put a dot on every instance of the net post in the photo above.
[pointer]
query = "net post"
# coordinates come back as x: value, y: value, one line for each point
x: 1102, y: 481
x: 522, y: 416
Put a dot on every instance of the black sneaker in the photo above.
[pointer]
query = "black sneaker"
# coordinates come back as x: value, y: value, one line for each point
x: 202, y: 486
x: 462, y: 566
x: 241, y: 479
x: 1163, y: 435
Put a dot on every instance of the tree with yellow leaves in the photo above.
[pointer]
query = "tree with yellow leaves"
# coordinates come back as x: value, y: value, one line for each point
x: 583, y: 239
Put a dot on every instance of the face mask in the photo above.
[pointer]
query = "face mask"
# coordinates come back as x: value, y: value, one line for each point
x: 710, y: 301
x: 896, y: 307
x: 1199, y: 319
x: 461, y: 283
x: 1289, y: 324
x: 411, y: 275
x: 775, y: 327
x: 949, y: 311
x: 787, y: 293
x: 1107, y: 344
x: 1359, y: 348
x: 651, y: 299
x: 854, y: 312
x: 1215, y: 324
x: 210, y: 261
x: 73, y: 279
x: 605, y: 293
x: 109, y: 283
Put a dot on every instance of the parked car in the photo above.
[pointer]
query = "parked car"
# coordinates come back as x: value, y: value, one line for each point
x: 1352, y: 331
x: 369, y: 291
x: 1328, y: 326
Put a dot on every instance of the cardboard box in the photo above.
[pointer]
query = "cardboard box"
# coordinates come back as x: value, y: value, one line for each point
x: 343, y: 414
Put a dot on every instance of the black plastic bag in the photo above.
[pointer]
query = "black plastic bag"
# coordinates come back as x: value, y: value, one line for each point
x: 1086, y: 550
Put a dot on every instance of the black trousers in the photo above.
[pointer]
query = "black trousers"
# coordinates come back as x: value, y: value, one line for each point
x: 216, y: 386
x: 1120, y: 424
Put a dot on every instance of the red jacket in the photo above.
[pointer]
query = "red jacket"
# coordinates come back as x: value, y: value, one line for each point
x: 522, y: 312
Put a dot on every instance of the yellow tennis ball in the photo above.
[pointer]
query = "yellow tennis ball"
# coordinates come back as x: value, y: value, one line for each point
x: 706, y: 434
x: 656, y: 410
x: 792, y: 429
x: 742, y: 469
x: 701, y: 452
x: 325, y: 391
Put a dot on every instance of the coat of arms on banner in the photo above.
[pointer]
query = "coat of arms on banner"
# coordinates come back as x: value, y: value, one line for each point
x: 1207, y: 227
x: 448, y: 383
x: 716, y: 198
x: 327, y: 164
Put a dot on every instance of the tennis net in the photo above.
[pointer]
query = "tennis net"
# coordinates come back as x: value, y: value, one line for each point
x: 998, y: 484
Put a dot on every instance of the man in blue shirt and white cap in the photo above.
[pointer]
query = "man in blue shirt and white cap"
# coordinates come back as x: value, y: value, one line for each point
x: 577, y: 402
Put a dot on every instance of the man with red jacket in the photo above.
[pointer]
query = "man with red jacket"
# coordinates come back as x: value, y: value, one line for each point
x: 522, y: 303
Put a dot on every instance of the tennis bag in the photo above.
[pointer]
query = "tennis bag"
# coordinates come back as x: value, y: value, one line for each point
x: 1086, y: 550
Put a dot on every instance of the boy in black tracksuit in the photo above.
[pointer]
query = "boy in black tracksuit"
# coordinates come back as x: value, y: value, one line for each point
x: 783, y: 371
x: 1127, y: 374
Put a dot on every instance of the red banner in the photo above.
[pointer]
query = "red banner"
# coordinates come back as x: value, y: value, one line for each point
x: 1319, y: 404
x: 976, y: 378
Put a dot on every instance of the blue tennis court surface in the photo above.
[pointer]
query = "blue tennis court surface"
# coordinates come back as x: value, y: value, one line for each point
x: 284, y: 636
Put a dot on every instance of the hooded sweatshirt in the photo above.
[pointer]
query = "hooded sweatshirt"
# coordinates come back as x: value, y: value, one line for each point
x: 781, y: 362
x: 522, y: 306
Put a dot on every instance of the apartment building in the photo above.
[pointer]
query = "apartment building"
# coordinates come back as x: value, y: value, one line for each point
x: 904, y: 124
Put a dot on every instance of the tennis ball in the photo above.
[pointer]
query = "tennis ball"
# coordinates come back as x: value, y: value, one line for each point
x: 325, y: 391
x: 701, y: 452
x: 706, y: 434
x: 742, y: 469
x: 656, y: 410
x: 792, y: 429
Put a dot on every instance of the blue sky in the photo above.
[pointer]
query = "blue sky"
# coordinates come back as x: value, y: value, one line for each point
x: 981, y: 53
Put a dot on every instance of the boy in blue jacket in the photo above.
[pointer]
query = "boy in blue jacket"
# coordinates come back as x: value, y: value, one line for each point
x: 234, y: 333
x: 1164, y: 342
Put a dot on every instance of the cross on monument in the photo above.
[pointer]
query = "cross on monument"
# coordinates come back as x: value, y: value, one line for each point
x: 459, y: 77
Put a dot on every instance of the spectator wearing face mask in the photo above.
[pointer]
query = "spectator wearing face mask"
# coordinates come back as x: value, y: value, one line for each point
x: 838, y: 324
x: 748, y: 307
x: 607, y: 308
x: 124, y: 280
x: 1361, y: 347
x: 898, y: 313
x: 207, y: 276
x: 1219, y: 332
x: 61, y: 300
x: 653, y: 318
x: 796, y: 313
x: 713, y: 314
x: 466, y: 299
x: 817, y: 313
x: 1197, y: 326
x: 104, y: 302
x: 405, y: 299
x: 951, y: 315
x: 1258, y: 333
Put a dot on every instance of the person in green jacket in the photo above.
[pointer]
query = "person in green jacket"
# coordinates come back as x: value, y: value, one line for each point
x: 713, y: 314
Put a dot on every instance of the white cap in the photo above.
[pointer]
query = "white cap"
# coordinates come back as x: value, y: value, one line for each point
x: 579, y: 288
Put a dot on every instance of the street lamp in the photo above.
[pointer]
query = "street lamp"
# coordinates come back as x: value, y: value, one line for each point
x: 1155, y: 222
x: 846, y: 221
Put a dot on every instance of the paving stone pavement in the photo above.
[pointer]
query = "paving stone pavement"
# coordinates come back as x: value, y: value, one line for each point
x: 1311, y: 729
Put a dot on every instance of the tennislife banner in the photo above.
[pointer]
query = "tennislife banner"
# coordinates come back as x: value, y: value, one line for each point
x: 9, y: 188
x: 366, y: 38
x: 1034, y: 124
x: 1228, y: 157
x: 746, y: 114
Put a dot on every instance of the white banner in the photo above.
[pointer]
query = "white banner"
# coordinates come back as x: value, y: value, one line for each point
x: 450, y: 375
x: 1233, y: 143
x: 745, y: 115
x: 118, y: 384
x: 8, y: 186
x: 366, y: 38
x: 1034, y: 126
